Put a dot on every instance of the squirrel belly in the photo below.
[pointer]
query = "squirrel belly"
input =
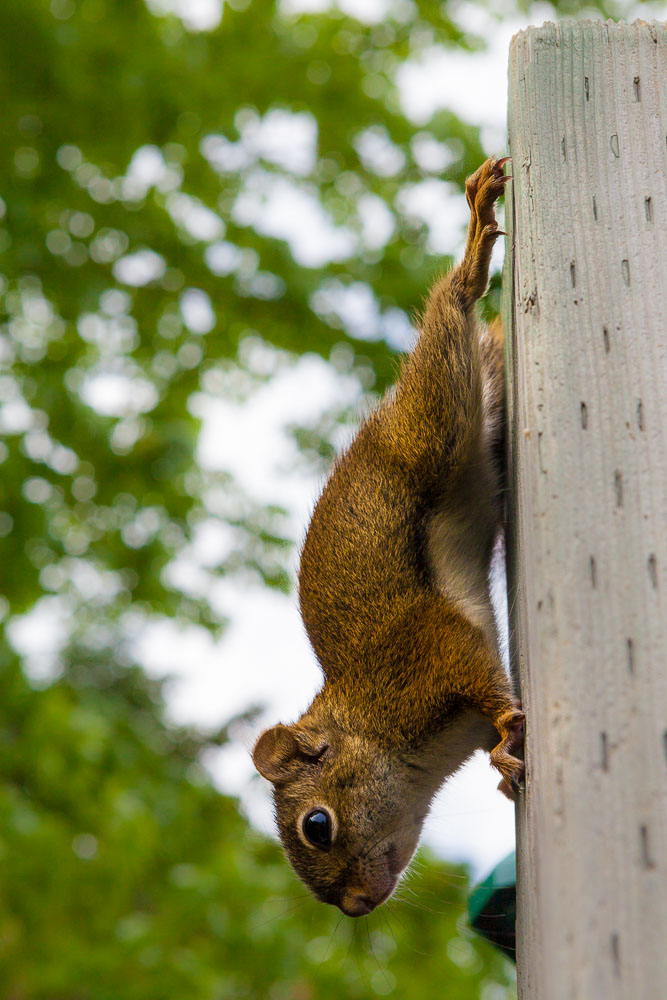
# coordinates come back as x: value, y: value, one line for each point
x: 394, y: 595
x: 462, y: 531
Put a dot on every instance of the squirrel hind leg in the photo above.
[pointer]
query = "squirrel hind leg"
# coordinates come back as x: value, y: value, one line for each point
x: 483, y: 188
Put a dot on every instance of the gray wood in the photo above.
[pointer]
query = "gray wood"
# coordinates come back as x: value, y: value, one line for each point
x: 586, y: 313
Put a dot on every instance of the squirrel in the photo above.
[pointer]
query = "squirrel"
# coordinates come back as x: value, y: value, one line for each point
x: 394, y: 596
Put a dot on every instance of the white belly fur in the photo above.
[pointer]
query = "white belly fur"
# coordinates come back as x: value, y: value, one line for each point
x: 459, y: 542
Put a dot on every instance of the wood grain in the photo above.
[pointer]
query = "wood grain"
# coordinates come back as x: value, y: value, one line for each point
x: 586, y: 313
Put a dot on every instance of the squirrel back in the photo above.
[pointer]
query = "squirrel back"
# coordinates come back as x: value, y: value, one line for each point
x: 394, y: 595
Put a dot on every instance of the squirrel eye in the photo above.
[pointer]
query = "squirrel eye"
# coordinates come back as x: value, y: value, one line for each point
x: 317, y: 829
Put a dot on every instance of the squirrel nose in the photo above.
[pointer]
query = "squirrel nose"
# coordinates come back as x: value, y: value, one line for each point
x: 356, y: 904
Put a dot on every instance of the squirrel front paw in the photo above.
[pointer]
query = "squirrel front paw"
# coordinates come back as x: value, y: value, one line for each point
x: 510, y: 725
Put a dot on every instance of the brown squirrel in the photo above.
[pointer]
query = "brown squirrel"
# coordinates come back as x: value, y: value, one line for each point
x: 394, y: 595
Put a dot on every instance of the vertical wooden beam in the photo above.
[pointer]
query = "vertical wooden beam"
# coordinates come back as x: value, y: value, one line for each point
x: 586, y: 312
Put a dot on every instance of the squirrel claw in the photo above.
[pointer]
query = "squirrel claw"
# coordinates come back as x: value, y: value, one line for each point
x: 510, y: 726
x: 513, y: 787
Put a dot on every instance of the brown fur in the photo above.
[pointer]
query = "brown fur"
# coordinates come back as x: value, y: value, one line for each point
x: 394, y: 595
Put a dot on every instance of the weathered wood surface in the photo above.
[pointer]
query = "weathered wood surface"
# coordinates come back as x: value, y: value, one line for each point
x: 586, y: 310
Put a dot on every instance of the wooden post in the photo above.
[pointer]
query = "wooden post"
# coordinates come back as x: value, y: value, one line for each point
x: 586, y: 313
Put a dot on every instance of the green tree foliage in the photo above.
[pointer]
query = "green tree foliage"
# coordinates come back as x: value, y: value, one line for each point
x: 125, y: 874
x: 131, y: 256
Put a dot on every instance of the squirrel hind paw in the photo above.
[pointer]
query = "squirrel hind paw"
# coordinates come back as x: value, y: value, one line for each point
x: 484, y: 187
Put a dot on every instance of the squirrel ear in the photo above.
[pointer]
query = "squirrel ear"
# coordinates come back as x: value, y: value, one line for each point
x: 278, y: 749
x: 275, y: 751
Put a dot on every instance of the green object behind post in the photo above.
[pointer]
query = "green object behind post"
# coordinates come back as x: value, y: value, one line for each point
x: 492, y: 906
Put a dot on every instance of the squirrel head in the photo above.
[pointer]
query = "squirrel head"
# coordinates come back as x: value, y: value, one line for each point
x: 349, y: 813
